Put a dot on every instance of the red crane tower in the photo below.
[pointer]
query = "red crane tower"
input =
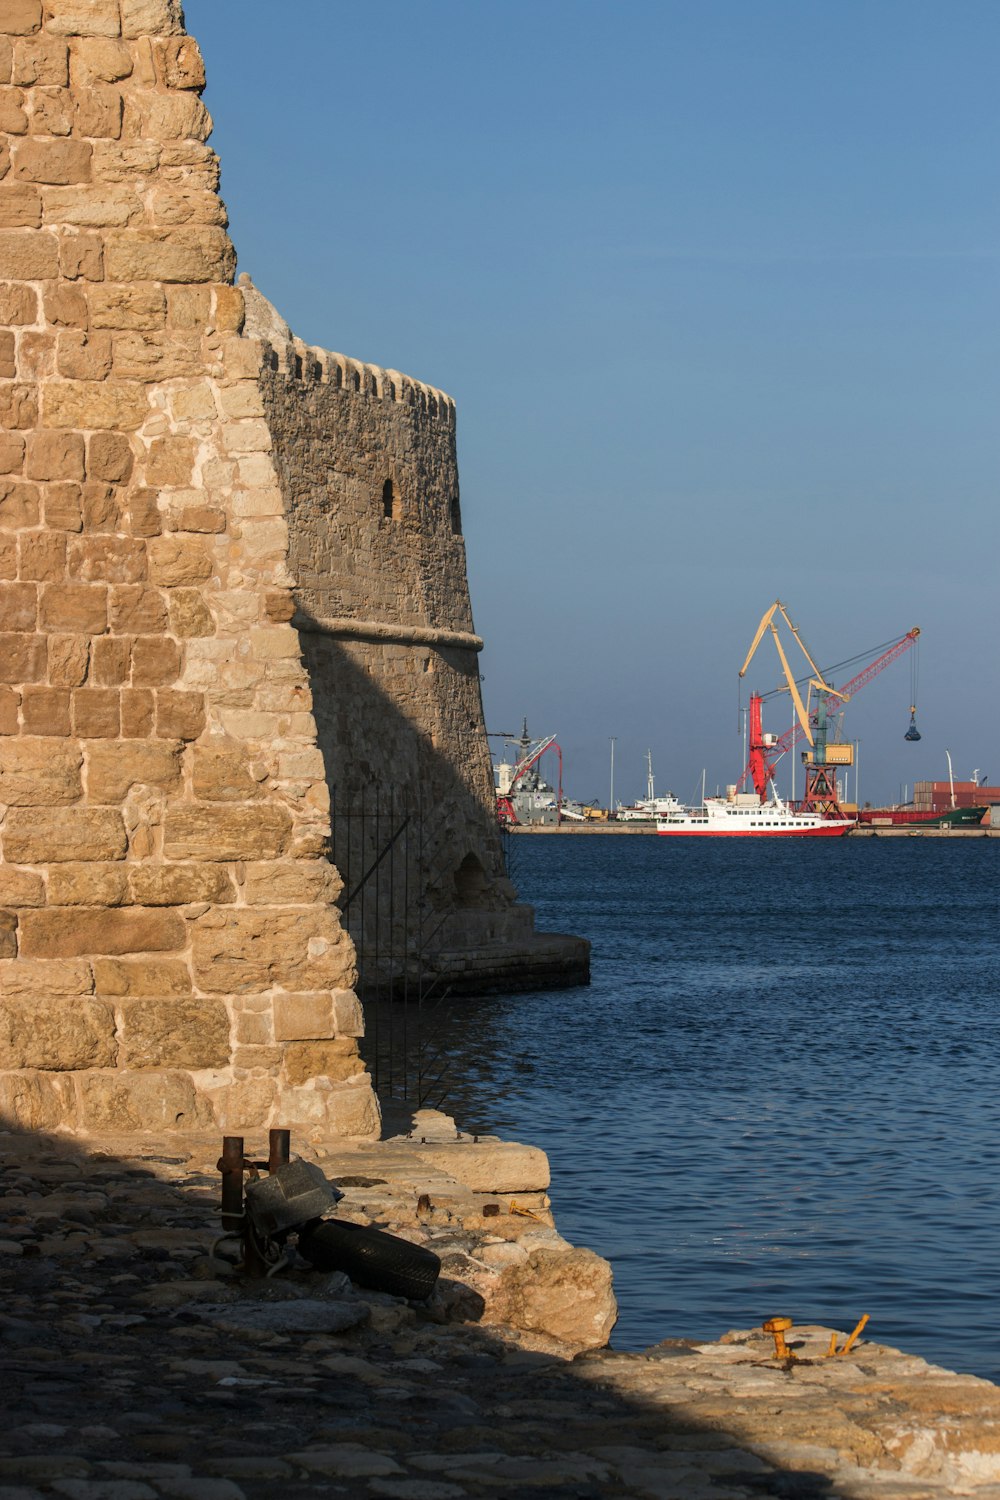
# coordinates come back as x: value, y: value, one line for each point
x: 825, y: 758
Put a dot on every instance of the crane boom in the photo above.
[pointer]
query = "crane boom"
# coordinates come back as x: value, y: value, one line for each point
x: 763, y: 756
x: 791, y: 736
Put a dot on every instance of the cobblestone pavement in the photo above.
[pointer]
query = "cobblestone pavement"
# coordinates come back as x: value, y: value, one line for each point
x: 136, y: 1366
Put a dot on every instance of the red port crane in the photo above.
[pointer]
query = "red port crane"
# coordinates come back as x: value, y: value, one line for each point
x: 765, y: 749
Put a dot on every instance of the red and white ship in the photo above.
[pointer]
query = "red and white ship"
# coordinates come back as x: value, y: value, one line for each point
x: 743, y: 815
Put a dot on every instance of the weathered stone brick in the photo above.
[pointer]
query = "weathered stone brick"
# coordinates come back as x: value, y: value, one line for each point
x: 193, y: 403
x: 22, y: 658
x: 55, y: 455
x: 141, y: 308
x: 45, y: 710
x: 137, y: 610
x: 6, y: 58
x: 18, y: 606
x: 52, y: 115
x: 36, y: 1101
x: 18, y: 405
x: 73, y: 931
x: 69, y: 659
x: 101, y: 511
x: 122, y: 1102
x: 351, y: 1110
x: 13, y: 119
x: 39, y: 772
x: 42, y: 557
x: 190, y: 616
x: 182, y: 254
x: 44, y: 835
x: 99, y: 113
x: 34, y: 977
x: 169, y: 461
x: 11, y: 452
x: 81, y: 257
x: 21, y: 887
x: 229, y: 313
x: 303, y: 1017
x: 28, y: 255
x: 56, y: 1035
x: 97, y: 713
x: 83, y: 17
x: 300, y: 882
x: 174, y: 560
x: 113, y: 769
x: 78, y: 607
x: 42, y: 60
x: 36, y: 354
x: 155, y: 662
x: 18, y: 505
x: 8, y: 557
x: 18, y: 304
x: 242, y: 950
x: 61, y: 507
x: 22, y: 17
x: 142, y: 18
x: 88, y: 884
x: 189, y: 307
x: 220, y: 773
x: 205, y: 519
x: 99, y: 60
x: 20, y: 206
x: 8, y: 935
x: 179, y: 885
x: 139, y: 976
x: 110, y: 657
x: 109, y: 457
x: 9, y: 701
x: 185, y: 205
x: 226, y: 833
x: 179, y: 63
x: 180, y: 1033
x: 8, y: 367
x: 168, y: 117
x: 35, y: 159
x: 82, y: 357
x: 138, y: 713
x: 107, y: 559
x: 337, y: 1059
x: 66, y: 306
x: 118, y: 405
x: 144, y: 517
x: 151, y: 357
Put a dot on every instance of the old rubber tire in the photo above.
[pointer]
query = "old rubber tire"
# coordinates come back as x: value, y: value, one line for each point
x: 372, y: 1258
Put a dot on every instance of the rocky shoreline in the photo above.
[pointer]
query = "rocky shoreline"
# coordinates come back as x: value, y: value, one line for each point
x: 139, y: 1365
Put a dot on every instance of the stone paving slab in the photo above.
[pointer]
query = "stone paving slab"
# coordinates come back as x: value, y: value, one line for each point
x: 138, y: 1366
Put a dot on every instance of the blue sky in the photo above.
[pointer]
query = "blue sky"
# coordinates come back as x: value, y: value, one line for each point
x: 715, y: 286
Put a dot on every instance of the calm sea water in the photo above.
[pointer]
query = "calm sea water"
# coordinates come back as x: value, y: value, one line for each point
x: 781, y: 1091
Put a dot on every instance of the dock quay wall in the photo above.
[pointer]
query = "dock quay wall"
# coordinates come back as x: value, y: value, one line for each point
x: 172, y: 952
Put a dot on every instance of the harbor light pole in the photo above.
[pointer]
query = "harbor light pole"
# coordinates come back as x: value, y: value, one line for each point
x: 611, y: 803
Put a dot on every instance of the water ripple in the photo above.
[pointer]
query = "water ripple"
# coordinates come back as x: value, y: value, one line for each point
x: 780, y: 1092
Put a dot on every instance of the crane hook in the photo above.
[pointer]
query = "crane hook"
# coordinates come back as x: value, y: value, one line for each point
x: 913, y: 733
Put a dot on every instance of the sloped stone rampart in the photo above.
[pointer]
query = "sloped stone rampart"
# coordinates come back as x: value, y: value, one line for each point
x: 203, y: 526
x: 163, y: 807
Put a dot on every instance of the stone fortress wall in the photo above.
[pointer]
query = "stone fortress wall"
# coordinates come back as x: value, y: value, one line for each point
x: 367, y: 463
x: 171, y: 954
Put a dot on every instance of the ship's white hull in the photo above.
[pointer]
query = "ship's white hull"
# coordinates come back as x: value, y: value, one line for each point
x: 720, y: 818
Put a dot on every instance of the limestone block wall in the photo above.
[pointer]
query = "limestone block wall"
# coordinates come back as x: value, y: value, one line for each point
x: 169, y: 953
x: 366, y: 459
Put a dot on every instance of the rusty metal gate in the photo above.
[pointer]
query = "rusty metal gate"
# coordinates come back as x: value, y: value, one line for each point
x: 382, y: 848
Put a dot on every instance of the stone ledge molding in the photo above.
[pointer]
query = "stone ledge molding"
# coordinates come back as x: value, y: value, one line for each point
x: 394, y: 635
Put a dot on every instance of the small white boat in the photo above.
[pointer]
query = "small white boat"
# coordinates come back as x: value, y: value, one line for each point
x: 743, y: 815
